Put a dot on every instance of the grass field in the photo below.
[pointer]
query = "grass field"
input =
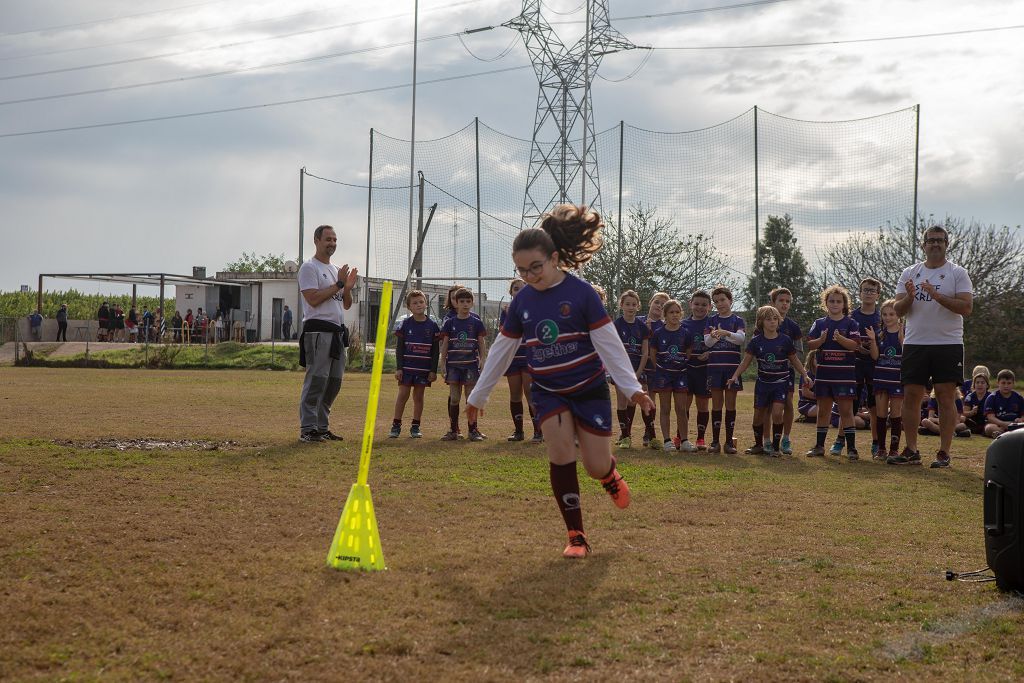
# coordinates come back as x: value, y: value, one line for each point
x: 209, y: 564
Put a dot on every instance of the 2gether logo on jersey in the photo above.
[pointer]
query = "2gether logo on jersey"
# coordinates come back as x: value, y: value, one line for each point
x: 547, y: 332
x: 463, y: 336
x: 673, y: 350
x: 564, y: 309
x: 770, y: 358
x: 890, y: 352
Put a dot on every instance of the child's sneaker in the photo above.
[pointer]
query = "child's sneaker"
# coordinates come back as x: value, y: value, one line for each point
x: 516, y: 436
x: 475, y: 435
x: 676, y: 441
x: 729, y: 448
x: 700, y: 445
x: 907, y: 457
x: 647, y: 441
x: 625, y: 443
x: 816, y: 452
x: 756, y: 449
x: 852, y: 454
x: 769, y: 450
x: 874, y: 449
x: 537, y: 438
x: 668, y: 445
x: 451, y: 436
x: 578, y: 547
x: 787, y: 446
x: 415, y: 432
x: 617, y: 488
x: 941, y: 459
x: 687, y: 447
x: 880, y: 454
x: 396, y: 431
x: 715, y: 447
x: 837, y: 448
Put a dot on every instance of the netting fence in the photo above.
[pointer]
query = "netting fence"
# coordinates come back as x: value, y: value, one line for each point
x: 834, y: 179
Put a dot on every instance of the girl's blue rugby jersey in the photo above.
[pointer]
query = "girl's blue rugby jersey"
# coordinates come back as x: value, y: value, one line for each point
x: 890, y: 358
x: 633, y: 335
x: 835, y: 364
x: 671, y: 347
x: 518, y: 360
x: 772, y: 358
x: 555, y: 325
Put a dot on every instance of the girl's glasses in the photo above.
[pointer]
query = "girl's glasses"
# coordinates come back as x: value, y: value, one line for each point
x: 534, y: 269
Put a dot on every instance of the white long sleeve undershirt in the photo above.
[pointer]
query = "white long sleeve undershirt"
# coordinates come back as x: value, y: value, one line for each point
x: 734, y: 337
x: 605, y: 340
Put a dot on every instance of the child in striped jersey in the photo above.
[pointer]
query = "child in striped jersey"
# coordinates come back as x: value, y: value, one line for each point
x: 697, y: 362
x: 450, y: 309
x: 775, y: 355
x: 519, y: 379
x: 835, y: 337
x: 668, y: 352
x: 463, y: 351
x: 782, y: 299
x: 974, y: 403
x: 416, y: 356
x: 807, y: 405
x: 724, y: 337
x: 887, y: 352
x: 571, y: 342
x: 868, y: 317
x: 634, y: 335
x: 654, y: 320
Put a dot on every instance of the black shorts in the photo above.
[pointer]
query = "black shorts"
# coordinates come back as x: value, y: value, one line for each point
x: 934, y: 363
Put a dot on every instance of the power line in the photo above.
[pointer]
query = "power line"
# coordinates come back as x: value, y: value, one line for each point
x: 699, y: 10
x: 226, y: 72
x: 842, y: 42
x: 362, y: 187
x: 93, y: 22
x: 217, y: 28
x: 132, y: 60
x: 279, y: 103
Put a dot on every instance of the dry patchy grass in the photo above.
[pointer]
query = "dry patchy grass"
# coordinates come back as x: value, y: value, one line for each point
x: 198, y: 564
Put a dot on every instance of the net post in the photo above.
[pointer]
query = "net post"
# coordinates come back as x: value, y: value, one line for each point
x: 365, y: 305
x: 917, y: 148
x: 302, y: 225
x: 618, y: 256
x: 757, y: 222
x: 479, y: 251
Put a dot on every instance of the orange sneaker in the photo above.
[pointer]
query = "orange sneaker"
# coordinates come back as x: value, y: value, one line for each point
x: 578, y: 547
x: 617, y: 487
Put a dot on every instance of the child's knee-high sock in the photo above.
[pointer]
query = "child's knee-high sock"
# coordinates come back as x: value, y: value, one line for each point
x: 821, y: 436
x: 453, y: 414
x: 896, y: 427
x: 881, y: 422
x: 516, y: 408
x: 622, y: 415
x: 566, y: 487
x: 649, y: 423
x: 851, y: 438
x: 702, y: 423
x: 716, y: 426
x: 758, y: 434
x: 776, y: 435
x: 630, y: 414
x: 730, y: 424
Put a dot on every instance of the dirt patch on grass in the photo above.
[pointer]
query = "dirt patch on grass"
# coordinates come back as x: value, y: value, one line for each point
x: 144, y: 444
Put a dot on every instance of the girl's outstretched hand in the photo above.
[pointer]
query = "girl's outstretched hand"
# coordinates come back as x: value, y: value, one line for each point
x: 644, y: 401
x: 473, y: 413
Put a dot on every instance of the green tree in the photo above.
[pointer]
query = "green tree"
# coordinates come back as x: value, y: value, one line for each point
x: 654, y: 257
x: 781, y: 263
x: 251, y: 263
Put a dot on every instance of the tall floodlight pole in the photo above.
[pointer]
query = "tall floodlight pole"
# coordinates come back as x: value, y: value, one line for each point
x: 564, y: 111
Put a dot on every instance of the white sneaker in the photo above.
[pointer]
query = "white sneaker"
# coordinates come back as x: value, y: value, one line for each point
x: 687, y: 447
x: 668, y: 445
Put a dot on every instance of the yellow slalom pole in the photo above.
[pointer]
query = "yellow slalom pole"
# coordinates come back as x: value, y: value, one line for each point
x: 356, y: 543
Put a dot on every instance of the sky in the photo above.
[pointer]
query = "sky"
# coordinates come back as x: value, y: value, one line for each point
x: 163, y: 196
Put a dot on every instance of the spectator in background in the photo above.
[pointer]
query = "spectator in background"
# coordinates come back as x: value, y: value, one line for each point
x: 147, y: 324
x: 119, y: 323
x: 35, y: 321
x: 176, y: 324
x: 103, y: 318
x: 286, y: 323
x: 62, y: 322
x: 201, y: 324
x: 188, y: 327
x: 132, y: 324
x: 218, y: 327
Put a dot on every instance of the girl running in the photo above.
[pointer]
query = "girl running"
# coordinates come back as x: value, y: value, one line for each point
x: 569, y: 335
x: 519, y: 379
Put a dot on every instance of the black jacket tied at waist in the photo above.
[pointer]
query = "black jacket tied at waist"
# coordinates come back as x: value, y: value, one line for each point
x: 339, y: 337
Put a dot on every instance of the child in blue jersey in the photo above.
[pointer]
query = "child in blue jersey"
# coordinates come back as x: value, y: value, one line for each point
x: 634, y: 335
x: 416, y: 356
x: 1004, y: 408
x: 519, y: 380
x: 667, y: 350
x: 697, y: 364
x: 654, y: 320
x: 463, y: 350
x: 930, y: 424
x: 868, y: 317
x: 887, y: 351
x: 782, y: 299
x: 724, y: 336
x: 776, y: 356
x: 835, y: 338
x: 974, y: 403
x: 968, y: 385
x: 571, y: 341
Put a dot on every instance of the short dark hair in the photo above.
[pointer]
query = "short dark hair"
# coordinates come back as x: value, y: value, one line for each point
x: 701, y: 294
x: 777, y: 292
x: 936, y: 228
x: 722, y: 289
x: 462, y: 294
x: 318, y: 233
x: 1006, y: 374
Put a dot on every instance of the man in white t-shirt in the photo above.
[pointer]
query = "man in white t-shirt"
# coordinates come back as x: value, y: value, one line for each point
x: 326, y: 294
x: 934, y: 296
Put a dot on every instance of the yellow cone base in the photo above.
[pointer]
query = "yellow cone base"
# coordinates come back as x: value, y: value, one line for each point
x: 356, y: 543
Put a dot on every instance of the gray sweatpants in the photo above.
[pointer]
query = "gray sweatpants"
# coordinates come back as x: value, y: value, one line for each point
x: 322, y: 383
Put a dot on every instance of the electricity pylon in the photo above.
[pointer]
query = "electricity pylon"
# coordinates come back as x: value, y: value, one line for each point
x: 563, y: 158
